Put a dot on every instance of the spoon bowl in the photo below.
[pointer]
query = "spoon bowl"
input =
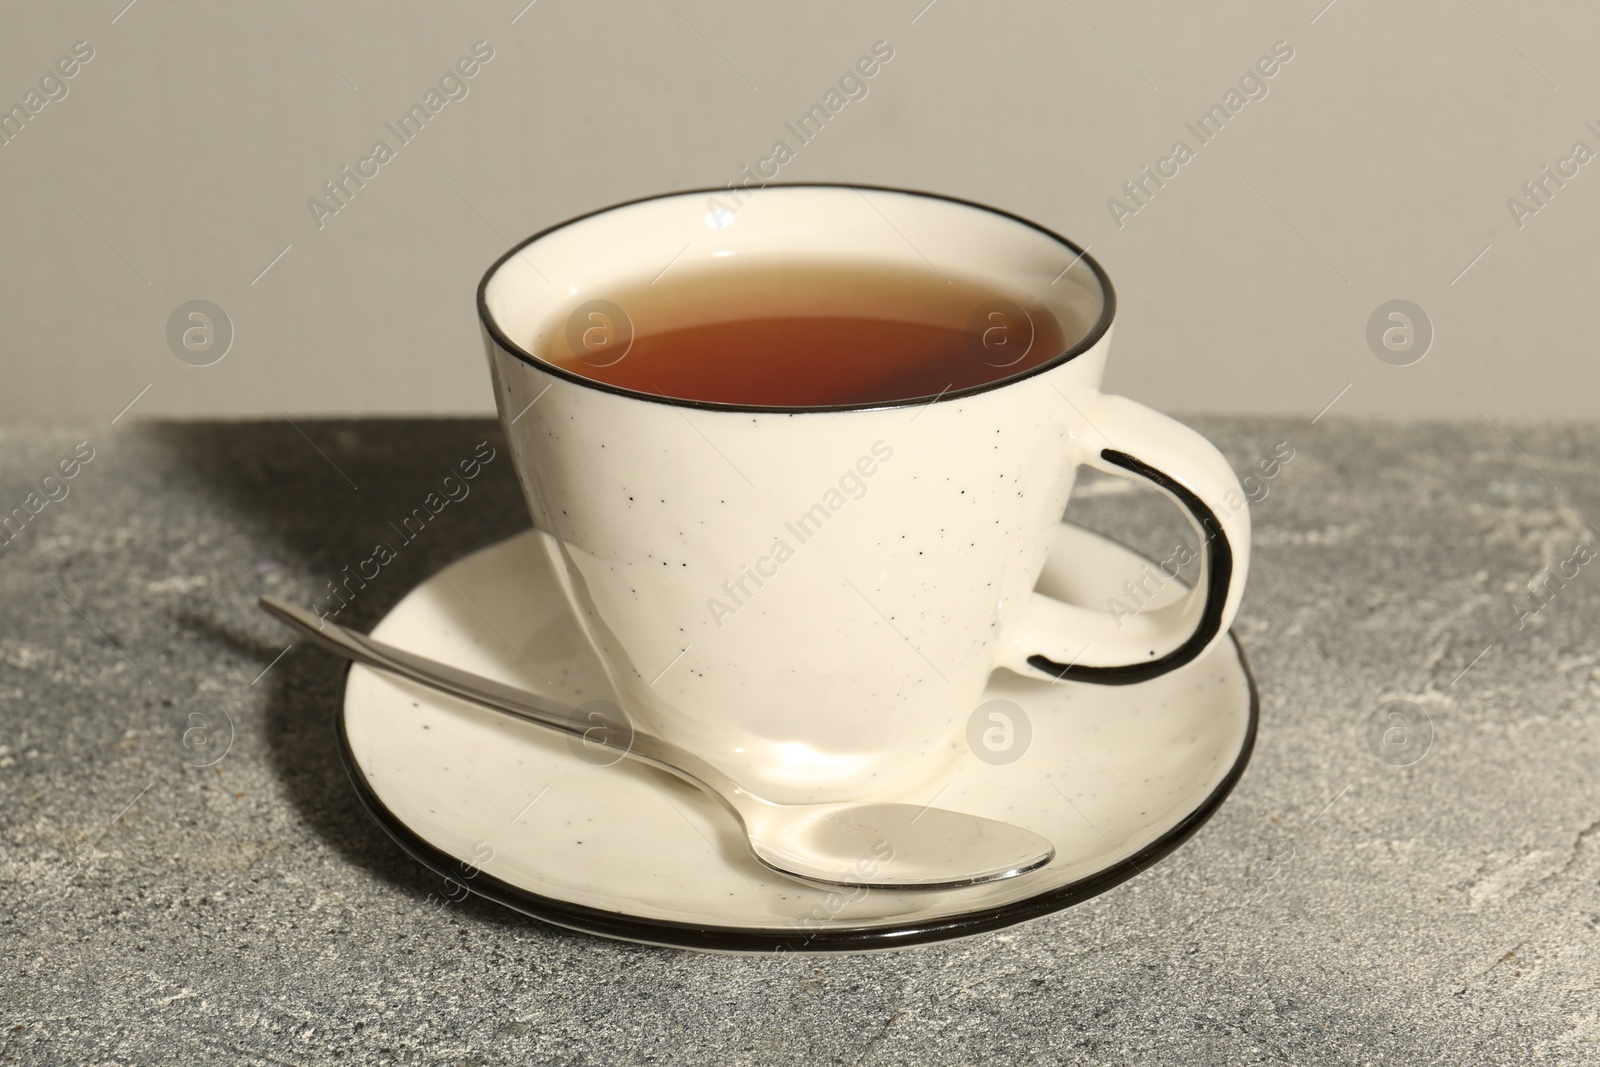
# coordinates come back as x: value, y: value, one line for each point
x: 887, y: 845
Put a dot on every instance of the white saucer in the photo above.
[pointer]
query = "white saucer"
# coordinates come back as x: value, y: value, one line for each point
x: 1115, y: 776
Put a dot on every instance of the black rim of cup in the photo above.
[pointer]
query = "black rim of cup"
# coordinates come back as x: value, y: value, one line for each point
x: 1108, y: 307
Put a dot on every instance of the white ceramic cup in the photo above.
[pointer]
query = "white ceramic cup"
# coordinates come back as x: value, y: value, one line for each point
x: 814, y: 598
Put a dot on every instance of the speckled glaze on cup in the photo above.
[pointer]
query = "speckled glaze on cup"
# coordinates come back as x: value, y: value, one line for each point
x: 814, y: 598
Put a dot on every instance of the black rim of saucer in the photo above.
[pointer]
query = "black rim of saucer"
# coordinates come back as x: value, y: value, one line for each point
x: 1108, y: 308
x: 827, y: 938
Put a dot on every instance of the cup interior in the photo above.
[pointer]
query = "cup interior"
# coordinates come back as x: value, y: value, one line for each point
x: 527, y: 297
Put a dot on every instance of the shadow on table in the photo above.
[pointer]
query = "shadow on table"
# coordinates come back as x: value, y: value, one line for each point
x: 314, y: 500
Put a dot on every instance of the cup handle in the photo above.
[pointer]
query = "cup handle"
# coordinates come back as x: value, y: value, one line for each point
x: 1117, y: 647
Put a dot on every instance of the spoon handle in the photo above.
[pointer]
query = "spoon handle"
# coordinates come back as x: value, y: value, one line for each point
x: 519, y: 703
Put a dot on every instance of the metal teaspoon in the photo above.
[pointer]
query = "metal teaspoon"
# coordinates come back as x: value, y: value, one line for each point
x: 876, y: 845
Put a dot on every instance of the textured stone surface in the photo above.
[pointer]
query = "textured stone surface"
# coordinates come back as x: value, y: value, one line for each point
x: 1339, y: 909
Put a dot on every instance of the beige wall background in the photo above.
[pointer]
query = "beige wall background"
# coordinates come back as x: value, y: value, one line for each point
x: 1378, y: 166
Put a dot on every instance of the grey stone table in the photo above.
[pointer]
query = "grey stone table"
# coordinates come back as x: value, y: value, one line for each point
x: 1378, y: 889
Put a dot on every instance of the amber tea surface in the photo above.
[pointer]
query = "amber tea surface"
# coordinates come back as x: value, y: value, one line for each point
x: 803, y: 334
